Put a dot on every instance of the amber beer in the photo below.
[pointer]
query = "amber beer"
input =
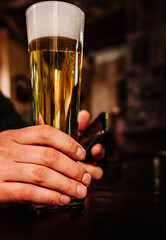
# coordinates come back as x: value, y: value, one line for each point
x: 56, y: 64
x: 55, y: 41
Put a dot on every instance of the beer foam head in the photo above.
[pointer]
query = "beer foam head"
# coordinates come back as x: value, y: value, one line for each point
x: 54, y: 18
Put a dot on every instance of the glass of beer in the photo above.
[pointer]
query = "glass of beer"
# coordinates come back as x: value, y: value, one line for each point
x: 55, y: 41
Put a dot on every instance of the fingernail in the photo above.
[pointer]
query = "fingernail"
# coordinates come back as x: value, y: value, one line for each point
x: 86, y: 179
x: 81, y: 153
x: 64, y: 199
x: 81, y: 191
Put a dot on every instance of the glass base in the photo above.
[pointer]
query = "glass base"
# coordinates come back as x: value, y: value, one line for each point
x: 75, y: 204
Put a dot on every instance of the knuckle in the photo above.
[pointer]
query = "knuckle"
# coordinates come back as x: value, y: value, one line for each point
x: 44, y: 131
x: 39, y: 174
x: 51, y: 198
x: 78, y: 172
x: 26, y: 194
x: 72, y: 147
x: 68, y: 187
x: 6, y: 133
x: 6, y: 149
x: 48, y: 156
x: 4, y: 141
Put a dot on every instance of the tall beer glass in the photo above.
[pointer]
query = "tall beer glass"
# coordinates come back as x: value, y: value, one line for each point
x: 55, y: 41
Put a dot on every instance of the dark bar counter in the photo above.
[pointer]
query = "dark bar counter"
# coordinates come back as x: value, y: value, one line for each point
x: 128, y: 203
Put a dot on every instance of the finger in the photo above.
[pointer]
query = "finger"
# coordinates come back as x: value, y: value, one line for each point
x: 98, y: 151
x: 48, y: 136
x: 53, y: 159
x: 45, y: 177
x: 22, y: 192
x: 83, y: 120
x: 95, y: 172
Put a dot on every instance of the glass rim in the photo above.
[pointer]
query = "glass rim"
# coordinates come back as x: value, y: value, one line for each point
x: 53, y: 2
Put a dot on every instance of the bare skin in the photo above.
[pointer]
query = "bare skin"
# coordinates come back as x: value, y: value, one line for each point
x: 36, y: 165
x: 97, y: 151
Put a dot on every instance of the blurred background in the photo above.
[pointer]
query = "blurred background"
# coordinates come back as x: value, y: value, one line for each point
x: 124, y: 69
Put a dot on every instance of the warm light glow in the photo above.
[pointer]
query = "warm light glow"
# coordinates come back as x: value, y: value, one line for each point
x: 4, y: 64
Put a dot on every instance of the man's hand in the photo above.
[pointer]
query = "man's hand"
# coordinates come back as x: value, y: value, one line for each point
x: 36, y: 165
x: 97, y: 150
